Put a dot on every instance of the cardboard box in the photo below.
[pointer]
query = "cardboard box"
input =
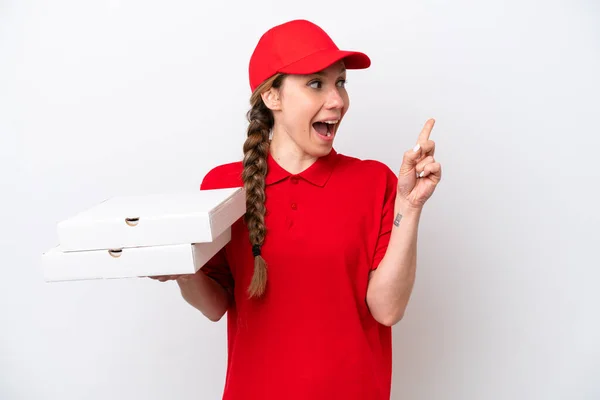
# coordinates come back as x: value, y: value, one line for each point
x: 150, y: 235
x: 153, y: 220
x: 132, y: 262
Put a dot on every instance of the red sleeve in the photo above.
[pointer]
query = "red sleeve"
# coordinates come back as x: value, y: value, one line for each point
x: 387, y: 217
x: 217, y: 268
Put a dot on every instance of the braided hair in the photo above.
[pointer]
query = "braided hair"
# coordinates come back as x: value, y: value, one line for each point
x: 256, y: 150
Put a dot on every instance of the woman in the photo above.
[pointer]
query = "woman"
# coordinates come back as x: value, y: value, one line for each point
x: 323, y: 264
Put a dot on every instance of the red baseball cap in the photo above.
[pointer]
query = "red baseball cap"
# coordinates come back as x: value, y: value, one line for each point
x: 298, y: 47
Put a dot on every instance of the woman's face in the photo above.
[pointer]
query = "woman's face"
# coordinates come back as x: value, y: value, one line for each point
x: 308, y: 110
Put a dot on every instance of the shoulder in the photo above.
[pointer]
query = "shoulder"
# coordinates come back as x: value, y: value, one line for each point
x: 223, y: 176
x: 366, y: 170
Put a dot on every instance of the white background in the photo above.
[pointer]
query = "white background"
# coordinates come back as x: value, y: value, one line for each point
x: 129, y: 97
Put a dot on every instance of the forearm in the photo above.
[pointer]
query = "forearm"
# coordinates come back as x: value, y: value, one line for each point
x: 391, y: 284
x: 204, y: 294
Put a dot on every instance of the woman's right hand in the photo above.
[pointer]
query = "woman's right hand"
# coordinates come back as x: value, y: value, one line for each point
x: 202, y: 292
x: 165, y: 278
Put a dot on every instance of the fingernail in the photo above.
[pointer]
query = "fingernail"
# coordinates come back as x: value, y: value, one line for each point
x: 421, y: 174
x: 416, y: 148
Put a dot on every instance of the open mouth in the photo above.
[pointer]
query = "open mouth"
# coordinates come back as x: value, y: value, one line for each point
x: 326, y: 128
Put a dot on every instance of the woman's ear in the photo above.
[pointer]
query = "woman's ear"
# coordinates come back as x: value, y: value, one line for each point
x: 271, y: 99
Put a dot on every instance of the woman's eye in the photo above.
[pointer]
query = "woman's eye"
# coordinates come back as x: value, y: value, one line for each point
x: 319, y: 84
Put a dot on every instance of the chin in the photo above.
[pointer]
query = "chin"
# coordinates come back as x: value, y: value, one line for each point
x: 321, y: 146
x: 322, y: 150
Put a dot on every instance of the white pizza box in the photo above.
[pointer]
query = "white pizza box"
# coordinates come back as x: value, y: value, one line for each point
x: 132, y: 262
x: 153, y: 220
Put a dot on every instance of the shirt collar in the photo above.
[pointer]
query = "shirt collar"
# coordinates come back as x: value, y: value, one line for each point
x: 318, y: 173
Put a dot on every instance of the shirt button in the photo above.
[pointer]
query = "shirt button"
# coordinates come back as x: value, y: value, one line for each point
x: 294, y: 206
x: 294, y: 180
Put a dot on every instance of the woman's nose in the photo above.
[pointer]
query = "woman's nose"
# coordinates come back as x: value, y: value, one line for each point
x: 334, y: 99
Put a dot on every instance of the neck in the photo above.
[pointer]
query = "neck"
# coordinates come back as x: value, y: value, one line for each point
x: 289, y: 156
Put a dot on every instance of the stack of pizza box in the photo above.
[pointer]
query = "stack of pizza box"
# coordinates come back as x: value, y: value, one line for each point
x: 144, y: 235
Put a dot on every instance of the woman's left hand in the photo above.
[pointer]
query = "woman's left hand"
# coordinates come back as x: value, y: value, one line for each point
x: 419, y: 173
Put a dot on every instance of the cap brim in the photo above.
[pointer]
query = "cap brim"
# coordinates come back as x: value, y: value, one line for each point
x: 320, y: 60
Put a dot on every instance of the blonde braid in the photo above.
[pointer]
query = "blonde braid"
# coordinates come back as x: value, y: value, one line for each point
x: 256, y: 151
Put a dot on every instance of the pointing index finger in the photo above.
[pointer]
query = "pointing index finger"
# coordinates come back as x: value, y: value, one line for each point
x: 426, y: 131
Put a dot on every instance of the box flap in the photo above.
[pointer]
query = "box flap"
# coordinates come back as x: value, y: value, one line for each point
x: 153, y: 220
